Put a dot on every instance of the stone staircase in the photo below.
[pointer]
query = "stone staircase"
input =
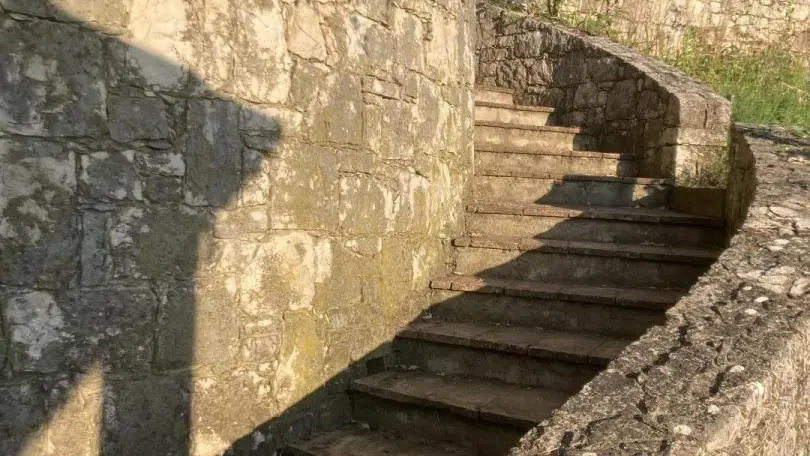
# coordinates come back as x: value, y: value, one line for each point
x: 567, y: 258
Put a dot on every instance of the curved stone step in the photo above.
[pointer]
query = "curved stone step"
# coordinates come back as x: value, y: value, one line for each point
x: 492, y: 402
x: 613, y: 311
x: 510, y: 113
x: 523, y: 137
x: 489, y: 94
x: 593, y: 263
x: 516, y: 164
x: 559, y: 360
x: 599, y: 224
x: 569, y: 190
x: 356, y: 441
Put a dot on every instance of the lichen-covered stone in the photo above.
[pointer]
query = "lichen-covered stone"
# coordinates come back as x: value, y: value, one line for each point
x: 108, y: 176
x: 52, y: 80
x: 132, y: 118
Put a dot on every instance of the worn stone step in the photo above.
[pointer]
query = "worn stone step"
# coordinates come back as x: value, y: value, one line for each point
x: 514, y: 354
x: 574, y: 190
x: 358, y: 441
x: 499, y: 163
x: 613, y: 311
x: 489, y: 94
x: 594, y: 263
x: 599, y: 224
x: 509, y: 113
x: 520, y: 137
x: 478, y: 400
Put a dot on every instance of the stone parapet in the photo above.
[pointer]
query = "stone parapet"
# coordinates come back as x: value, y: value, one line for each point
x: 676, y: 126
x: 727, y: 373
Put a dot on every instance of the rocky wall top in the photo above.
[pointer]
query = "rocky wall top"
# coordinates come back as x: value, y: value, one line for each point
x: 728, y: 372
x: 204, y: 202
x: 675, y: 125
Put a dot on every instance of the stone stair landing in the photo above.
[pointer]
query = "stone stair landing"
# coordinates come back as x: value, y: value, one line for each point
x: 568, y: 257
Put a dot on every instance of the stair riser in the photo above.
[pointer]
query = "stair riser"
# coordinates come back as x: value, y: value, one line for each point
x: 505, y: 115
x: 491, y: 96
x: 574, y: 193
x: 446, y: 359
x: 486, y: 438
x: 508, y: 164
x: 580, y: 229
x: 485, y: 308
x: 531, y: 140
x: 584, y: 269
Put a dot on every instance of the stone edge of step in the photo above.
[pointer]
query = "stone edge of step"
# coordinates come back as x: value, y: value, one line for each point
x: 517, y: 126
x: 637, y: 215
x: 529, y: 174
x: 487, y: 88
x: 603, y: 249
x: 557, y: 152
x: 513, y: 107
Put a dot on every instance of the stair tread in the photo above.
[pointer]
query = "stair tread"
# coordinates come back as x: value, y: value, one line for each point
x: 630, y: 251
x: 494, y: 89
x: 513, y: 107
x: 485, y: 400
x: 535, y: 342
x: 560, y: 152
x: 521, y: 126
x: 527, y: 173
x: 356, y: 441
x: 630, y: 214
x: 618, y: 296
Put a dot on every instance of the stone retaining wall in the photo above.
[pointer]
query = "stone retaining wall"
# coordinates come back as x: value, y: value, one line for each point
x: 213, y: 212
x: 728, y: 374
x: 676, y: 126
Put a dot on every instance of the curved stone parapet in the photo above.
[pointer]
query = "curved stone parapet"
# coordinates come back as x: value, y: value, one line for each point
x: 728, y: 372
x: 677, y: 126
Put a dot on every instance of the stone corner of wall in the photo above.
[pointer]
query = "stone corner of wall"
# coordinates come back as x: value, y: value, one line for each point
x: 724, y: 374
x: 678, y: 126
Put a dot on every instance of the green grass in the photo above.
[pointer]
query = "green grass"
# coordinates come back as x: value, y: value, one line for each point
x: 770, y: 86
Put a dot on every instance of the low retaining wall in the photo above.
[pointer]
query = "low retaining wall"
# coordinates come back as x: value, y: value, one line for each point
x: 729, y: 373
x: 675, y: 125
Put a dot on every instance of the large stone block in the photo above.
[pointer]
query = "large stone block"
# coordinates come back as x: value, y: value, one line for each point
x: 366, y: 205
x: 305, y: 191
x: 140, y: 243
x: 338, y: 111
x: 22, y: 413
x: 133, y: 118
x: 304, y: 35
x: 55, y: 331
x: 109, y: 176
x: 52, y: 83
x: 110, y: 13
x: 147, y: 416
x: 38, y: 226
x: 213, y: 153
x: 389, y: 128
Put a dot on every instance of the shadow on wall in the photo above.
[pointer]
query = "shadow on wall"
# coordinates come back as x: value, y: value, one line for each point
x: 114, y: 201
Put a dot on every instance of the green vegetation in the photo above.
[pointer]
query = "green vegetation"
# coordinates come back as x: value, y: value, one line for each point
x: 769, y: 86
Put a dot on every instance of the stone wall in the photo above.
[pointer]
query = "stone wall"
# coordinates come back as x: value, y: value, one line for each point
x: 675, y: 125
x: 212, y: 213
x: 728, y: 374
x: 662, y: 24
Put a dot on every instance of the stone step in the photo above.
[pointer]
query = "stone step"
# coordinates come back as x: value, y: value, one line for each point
x: 574, y: 191
x: 514, y: 354
x: 489, y: 94
x: 509, y: 113
x: 598, y: 224
x: 485, y: 415
x: 593, y: 263
x: 505, y: 163
x: 614, y: 311
x: 357, y: 441
x: 520, y: 137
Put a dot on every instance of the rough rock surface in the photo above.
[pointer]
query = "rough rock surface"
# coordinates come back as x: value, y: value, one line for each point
x: 728, y: 373
x: 204, y: 203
